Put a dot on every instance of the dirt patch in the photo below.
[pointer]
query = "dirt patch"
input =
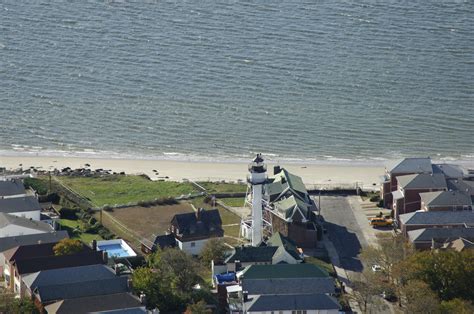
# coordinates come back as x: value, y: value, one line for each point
x: 149, y: 221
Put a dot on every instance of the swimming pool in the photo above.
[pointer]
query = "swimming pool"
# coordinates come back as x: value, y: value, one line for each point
x: 116, y: 248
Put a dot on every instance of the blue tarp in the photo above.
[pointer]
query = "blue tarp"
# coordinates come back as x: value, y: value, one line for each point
x: 227, y: 277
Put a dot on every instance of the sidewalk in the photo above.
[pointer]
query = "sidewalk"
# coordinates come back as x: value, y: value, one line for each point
x: 341, y: 273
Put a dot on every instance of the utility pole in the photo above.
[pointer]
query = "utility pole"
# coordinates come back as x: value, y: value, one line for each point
x: 319, y: 203
x: 50, y: 190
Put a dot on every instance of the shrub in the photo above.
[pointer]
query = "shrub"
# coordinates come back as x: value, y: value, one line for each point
x: 68, y: 213
x: 67, y: 247
x: 53, y: 198
x: 36, y: 184
x: 92, y: 228
x: 105, y: 234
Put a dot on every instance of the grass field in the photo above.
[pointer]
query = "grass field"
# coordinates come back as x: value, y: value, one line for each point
x: 233, y: 201
x: 119, y: 189
x: 76, y: 224
x: 149, y: 221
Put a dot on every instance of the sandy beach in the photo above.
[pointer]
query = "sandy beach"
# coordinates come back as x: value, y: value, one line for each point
x: 318, y: 174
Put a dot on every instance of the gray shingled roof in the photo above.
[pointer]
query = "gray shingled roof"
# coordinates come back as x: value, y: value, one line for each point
x: 445, y: 198
x: 411, y: 165
x: 422, y: 181
x: 292, y: 302
x: 51, y: 237
x: 438, y: 218
x: 288, y: 285
x: 449, y: 170
x: 68, y: 275
x: 440, y: 234
x: 99, y: 303
x: 75, y: 282
x: 11, y: 187
x: 91, y: 287
x: 463, y: 186
x: 19, y: 204
x: 7, y: 219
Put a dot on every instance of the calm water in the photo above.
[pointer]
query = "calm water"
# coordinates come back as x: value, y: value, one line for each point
x: 315, y: 80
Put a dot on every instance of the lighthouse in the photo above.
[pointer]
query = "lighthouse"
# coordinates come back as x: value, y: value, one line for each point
x: 256, y: 179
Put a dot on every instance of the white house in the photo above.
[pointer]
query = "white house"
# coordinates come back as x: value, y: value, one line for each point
x: 12, y: 226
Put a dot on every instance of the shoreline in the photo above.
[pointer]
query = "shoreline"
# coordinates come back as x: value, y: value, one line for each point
x: 177, y: 170
x: 321, y: 173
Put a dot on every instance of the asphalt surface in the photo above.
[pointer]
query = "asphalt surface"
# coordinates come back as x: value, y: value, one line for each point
x: 343, y: 231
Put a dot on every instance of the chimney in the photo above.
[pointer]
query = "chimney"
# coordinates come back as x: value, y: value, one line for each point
x: 94, y: 245
x: 142, y: 298
x: 238, y: 265
x: 105, y: 257
x: 198, y: 213
x: 276, y: 170
x: 246, y: 295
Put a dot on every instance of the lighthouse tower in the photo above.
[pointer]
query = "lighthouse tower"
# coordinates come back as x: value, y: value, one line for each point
x: 256, y: 179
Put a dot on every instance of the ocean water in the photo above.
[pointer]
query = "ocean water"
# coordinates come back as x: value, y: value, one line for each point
x: 296, y: 80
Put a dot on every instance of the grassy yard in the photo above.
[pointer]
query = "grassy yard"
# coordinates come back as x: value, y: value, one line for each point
x: 316, y: 261
x: 76, y: 224
x: 118, y: 189
x: 149, y: 221
x: 214, y: 187
x: 233, y: 201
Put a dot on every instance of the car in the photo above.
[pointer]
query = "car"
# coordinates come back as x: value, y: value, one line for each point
x: 380, y: 222
x: 376, y: 268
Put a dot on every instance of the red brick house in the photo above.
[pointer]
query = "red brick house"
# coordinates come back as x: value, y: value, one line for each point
x: 406, y: 198
x: 436, y: 219
x: 400, y: 168
x: 445, y: 201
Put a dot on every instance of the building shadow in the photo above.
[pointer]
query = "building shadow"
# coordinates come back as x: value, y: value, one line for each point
x: 347, y: 246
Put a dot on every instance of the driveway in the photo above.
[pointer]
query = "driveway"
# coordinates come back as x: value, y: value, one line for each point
x: 343, y: 230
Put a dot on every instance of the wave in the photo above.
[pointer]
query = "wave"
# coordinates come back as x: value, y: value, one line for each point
x: 28, y: 151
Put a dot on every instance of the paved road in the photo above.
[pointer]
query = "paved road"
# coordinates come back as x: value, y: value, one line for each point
x: 344, y: 231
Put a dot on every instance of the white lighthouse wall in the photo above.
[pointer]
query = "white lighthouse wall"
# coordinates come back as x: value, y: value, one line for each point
x: 257, y: 214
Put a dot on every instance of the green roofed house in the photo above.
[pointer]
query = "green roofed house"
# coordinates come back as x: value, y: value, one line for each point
x: 290, y: 208
x: 280, y: 271
x: 277, y: 250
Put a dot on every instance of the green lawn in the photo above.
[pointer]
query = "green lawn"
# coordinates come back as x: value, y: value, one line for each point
x: 233, y: 201
x: 316, y: 261
x: 214, y: 187
x: 118, y: 189
x: 76, y: 224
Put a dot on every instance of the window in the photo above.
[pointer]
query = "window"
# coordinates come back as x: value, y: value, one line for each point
x: 193, y: 244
